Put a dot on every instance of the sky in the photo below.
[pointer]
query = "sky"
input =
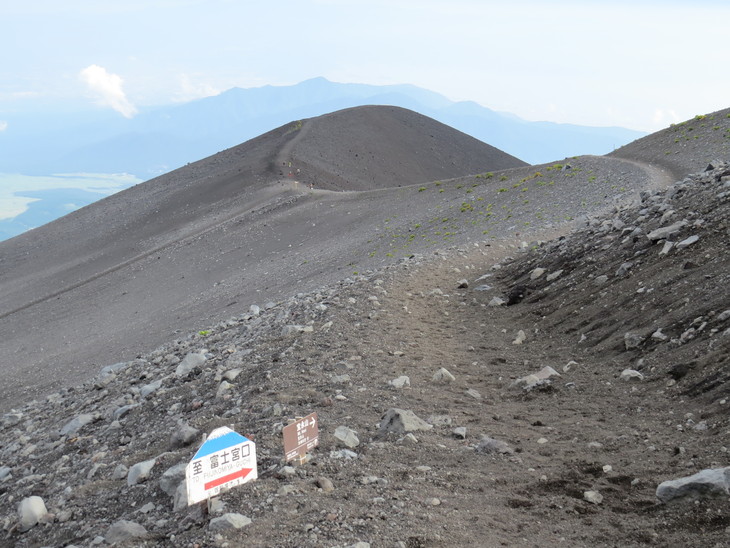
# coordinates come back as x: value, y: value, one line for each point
x: 640, y: 64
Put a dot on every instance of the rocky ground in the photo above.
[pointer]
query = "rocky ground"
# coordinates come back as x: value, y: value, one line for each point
x: 558, y: 384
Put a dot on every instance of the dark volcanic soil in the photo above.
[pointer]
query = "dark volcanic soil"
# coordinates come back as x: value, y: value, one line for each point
x: 637, y: 330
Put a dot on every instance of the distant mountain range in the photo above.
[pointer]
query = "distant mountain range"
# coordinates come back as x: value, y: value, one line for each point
x: 160, y: 139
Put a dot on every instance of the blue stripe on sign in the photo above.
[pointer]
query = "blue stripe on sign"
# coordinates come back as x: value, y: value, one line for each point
x: 218, y: 444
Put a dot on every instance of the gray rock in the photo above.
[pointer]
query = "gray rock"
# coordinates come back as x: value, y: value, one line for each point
x: 443, y: 375
x: 459, y: 432
x: 535, y: 379
x: 688, y: 242
x: 623, y: 270
x: 631, y: 375
x: 707, y: 483
x: 554, y: 275
x: 122, y: 411
x: 491, y: 446
x: 325, y: 484
x: 462, y: 284
x: 439, y: 420
x: 124, y: 530
x: 13, y: 418
x: 666, y: 232
x: 536, y: 273
x: 172, y: 477
x: 400, y: 421
x: 148, y: 389
x: 5, y: 472
x: 723, y: 316
x: 346, y: 437
x: 190, y: 362
x: 30, y: 512
x: 254, y: 310
x: 632, y: 340
x: 496, y: 301
x: 473, y: 393
x: 76, y: 424
x: 224, y: 388
x: 140, y: 472
x: 180, y: 500
x: 120, y: 472
x: 114, y: 368
x: 229, y: 521
x: 594, y: 497
x: 400, y: 382
x: 184, y: 435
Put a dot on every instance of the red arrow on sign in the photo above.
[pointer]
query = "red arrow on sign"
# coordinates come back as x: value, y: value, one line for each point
x: 242, y: 473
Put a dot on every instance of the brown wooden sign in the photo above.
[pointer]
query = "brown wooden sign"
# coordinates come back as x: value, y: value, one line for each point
x: 300, y: 437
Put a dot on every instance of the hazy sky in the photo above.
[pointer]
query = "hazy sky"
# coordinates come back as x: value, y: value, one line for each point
x: 640, y: 64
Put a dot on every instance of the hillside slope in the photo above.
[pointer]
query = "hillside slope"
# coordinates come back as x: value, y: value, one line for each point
x: 499, y: 457
x: 685, y: 147
x: 125, y: 272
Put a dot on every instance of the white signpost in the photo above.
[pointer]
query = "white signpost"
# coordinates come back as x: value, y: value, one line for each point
x: 225, y: 460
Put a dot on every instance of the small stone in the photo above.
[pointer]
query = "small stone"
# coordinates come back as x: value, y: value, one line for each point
x: 496, y: 301
x: 443, y: 375
x: 554, y: 275
x: 172, y: 477
x: 400, y: 421
x: 150, y: 388
x: 30, y: 511
x: 688, y: 242
x: 632, y: 340
x: 600, y: 280
x: 76, y: 424
x: 223, y: 389
x: 594, y: 497
x: 184, y: 435
x: 473, y: 393
x: 542, y: 441
x: 490, y: 445
x: 120, y: 472
x: 631, y: 375
x: 140, y: 472
x: 462, y: 284
x: 439, y: 420
x: 536, y: 273
x: 229, y: 521
x: 459, y: 432
x: 666, y: 248
x: 124, y: 530
x: 520, y: 337
x: 659, y: 336
x: 400, y: 382
x: 346, y: 437
x: 190, y: 362
x: 707, y: 483
x: 409, y: 439
x: 666, y: 232
x: 325, y: 484
x: 607, y: 468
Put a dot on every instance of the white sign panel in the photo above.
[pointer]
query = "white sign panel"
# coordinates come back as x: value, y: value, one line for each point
x: 225, y: 460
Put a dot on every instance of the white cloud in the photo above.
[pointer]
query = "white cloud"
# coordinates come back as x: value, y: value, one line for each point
x: 108, y: 89
x: 3, y: 125
x: 190, y: 90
